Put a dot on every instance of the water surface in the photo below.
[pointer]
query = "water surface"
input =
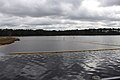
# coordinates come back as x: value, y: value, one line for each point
x: 61, y: 66
x: 61, y: 43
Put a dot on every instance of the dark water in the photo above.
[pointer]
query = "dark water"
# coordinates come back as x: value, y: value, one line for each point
x: 62, y: 66
x: 92, y: 65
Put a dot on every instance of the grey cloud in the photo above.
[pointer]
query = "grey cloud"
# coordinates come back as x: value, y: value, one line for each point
x: 8, y: 20
x: 49, y: 21
x: 50, y: 12
x: 34, y: 8
x: 93, y: 18
x: 42, y: 8
x: 29, y: 8
x: 112, y: 24
x: 96, y: 15
x: 110, y: 2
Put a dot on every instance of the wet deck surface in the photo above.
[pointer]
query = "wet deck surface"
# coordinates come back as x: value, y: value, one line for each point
x: 61, y: 66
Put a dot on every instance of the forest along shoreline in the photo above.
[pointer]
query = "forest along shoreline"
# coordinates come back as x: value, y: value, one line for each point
x: 8, y: 40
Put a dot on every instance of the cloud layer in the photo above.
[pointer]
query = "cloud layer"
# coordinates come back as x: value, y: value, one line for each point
x: 59, y: 14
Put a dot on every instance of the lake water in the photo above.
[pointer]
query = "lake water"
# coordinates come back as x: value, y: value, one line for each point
x: 61, y: 43
x: 91, y: 65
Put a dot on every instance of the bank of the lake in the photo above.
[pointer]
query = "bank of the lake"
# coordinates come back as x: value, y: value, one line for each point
x: 7, y: 40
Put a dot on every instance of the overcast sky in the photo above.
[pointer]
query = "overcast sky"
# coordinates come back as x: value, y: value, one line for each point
x: 59, y: 14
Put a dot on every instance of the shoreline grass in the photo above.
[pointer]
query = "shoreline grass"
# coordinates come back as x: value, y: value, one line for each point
x: 7, y: 40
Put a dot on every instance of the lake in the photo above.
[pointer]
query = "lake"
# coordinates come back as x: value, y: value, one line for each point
x: 61, y: 43
x: 89, y: 65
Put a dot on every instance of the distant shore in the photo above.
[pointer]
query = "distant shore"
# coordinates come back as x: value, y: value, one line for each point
x: 8, y: 40
x: 41, y: 32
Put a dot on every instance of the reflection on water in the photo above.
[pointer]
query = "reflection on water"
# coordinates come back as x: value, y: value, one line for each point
x: 92, y: 65
x: 63, y: 66
x: 61, y: 43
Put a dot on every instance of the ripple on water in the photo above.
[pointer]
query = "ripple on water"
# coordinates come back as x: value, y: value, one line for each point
x: 64, y: 66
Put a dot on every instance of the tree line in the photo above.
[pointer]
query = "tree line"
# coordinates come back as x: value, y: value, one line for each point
x: 41, y: 32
